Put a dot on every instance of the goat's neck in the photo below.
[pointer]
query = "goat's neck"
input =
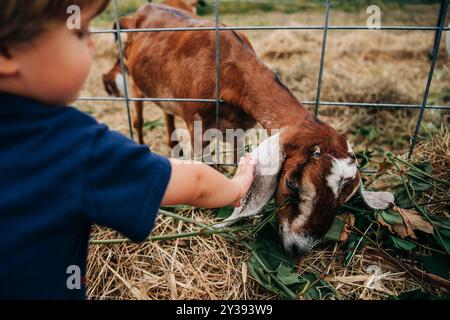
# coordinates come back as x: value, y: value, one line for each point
x: 261, y: 94
x: 277, y: 110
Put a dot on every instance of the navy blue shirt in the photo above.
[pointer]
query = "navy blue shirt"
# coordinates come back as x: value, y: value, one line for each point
x: 61, y: 172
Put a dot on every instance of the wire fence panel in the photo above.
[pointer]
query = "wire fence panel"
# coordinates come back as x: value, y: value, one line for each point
x: 438, y: 29
x: 122, y: 65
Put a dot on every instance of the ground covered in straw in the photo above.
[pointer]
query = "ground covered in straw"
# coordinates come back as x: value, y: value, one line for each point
x: 367, y: 255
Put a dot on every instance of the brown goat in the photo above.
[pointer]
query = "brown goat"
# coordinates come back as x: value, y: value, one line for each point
x: 317, y: 170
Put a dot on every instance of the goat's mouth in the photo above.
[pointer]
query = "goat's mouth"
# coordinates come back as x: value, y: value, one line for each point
x: 297, y: 244
x: 111, y: 86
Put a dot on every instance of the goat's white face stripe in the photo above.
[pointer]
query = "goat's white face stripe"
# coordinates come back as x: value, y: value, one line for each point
x: 307, y: 198
x: 341, y: 170
x: 119, y: 84
x: 290, y: 234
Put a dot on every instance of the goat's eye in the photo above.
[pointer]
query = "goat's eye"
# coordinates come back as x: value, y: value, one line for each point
x: 292, y: 186
x: 315, y: 151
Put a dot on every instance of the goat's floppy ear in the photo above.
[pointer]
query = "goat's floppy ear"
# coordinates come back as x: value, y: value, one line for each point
x: 378, y: 200
x: 269, y: 161
x: 124, y: 23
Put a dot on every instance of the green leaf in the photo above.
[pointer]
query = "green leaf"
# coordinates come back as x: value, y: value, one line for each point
x: 437, y: 263
x: 287, y: 275
x: 402, y: 198
x: 261, y: 276
x: 270, y: 265
x: 351, y: 245
x: 368, y: 131
x: 391, y: 217
x: 364, y: 158
x: 225, y: 212
x: 335, y: 231
x: 402, y: 244
x: 319, y: 290
x: 445, y: 234
x: 418, y: 295
x: 419, y: 183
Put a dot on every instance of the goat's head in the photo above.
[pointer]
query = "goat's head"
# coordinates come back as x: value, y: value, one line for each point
x: 113, y: 81
x: 319, y: 175
x: 312, y: 171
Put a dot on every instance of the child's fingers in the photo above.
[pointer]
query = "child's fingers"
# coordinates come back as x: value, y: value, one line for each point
x: 247, y: 162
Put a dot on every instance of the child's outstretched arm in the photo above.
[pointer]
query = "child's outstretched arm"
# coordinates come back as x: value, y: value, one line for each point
x: 199, y: 185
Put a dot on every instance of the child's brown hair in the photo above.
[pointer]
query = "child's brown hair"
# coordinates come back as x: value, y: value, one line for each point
x: 23, y: 20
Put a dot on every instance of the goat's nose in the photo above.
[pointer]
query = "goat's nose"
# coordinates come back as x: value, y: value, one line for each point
x: 107, y: 85
x: 297, y: 251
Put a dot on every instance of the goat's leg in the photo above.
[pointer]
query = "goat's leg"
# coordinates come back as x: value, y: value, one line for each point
x: 170, y: 125
x: 196, y: 142
x: 138, y: 122
x: 138, y: 119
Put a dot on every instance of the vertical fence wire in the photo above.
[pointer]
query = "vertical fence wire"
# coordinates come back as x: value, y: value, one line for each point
x: 322, y: 57
x: 217, y: 10
x: 437, y: 42
x: 122, y: 66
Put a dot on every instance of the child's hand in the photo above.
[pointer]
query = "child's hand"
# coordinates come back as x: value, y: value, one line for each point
x: 244, y: 177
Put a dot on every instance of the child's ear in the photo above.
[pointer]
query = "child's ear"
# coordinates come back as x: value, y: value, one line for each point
x: 8, y: 65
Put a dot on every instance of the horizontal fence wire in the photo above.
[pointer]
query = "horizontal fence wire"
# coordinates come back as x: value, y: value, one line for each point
x: 242, y: 28
x: 438, y: 29
x: 304, y: 102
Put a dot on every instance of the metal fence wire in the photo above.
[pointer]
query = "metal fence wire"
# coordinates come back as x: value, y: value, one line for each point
x: 438, y: 29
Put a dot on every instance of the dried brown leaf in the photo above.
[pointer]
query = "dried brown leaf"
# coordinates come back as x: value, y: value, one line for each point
x: 411, y: 221
x: 349, y: 221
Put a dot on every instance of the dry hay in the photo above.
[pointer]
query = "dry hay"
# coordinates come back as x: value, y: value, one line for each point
x: 436, y: 150
x: 195, y: 268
